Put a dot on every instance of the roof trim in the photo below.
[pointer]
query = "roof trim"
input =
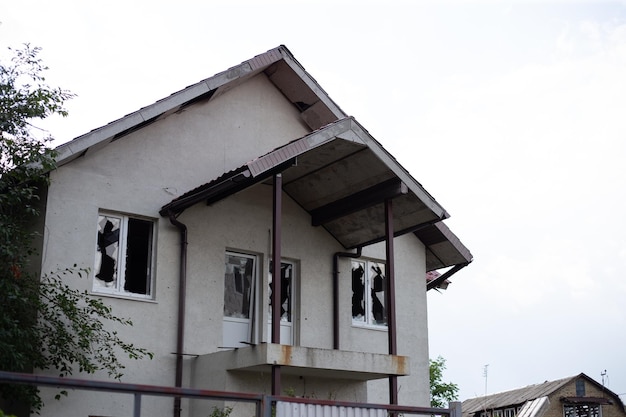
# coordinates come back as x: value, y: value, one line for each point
x: 177, y: 101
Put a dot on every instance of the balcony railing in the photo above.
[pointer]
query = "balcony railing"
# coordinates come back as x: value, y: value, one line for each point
x: 266, y: 405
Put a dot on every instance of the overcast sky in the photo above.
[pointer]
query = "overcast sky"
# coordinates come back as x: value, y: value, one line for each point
x: 512, y: 115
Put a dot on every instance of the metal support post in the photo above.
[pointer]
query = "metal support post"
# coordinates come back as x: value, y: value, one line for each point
x: 390, y: 295
x: 276, y: 276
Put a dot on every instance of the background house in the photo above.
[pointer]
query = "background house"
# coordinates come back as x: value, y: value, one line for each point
x: 576, y: 396
x: 192, y: 210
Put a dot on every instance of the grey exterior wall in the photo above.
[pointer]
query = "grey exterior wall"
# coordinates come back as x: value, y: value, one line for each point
x: 146, y: 169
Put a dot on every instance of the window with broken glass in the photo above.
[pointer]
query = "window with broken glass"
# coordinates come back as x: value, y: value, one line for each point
x: 286, y: 290
x: 239, y: 283
x: 368, y: 293
x: 582, y: 410
x: 124, y: 261
x: 240, y: 292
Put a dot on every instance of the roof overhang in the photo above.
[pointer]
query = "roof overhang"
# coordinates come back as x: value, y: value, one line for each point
x: 342, y: 177
x: 278, y: 64
x: 443, y: 249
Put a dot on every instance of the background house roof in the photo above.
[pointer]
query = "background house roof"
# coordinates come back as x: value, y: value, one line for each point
x: 521, y: 395
x: 514, y: 397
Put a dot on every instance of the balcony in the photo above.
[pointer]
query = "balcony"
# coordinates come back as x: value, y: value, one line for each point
x: 306, y: 361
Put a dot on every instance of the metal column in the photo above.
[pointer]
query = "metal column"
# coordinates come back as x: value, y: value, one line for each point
x: 390, y: 295
x: 276, y: 277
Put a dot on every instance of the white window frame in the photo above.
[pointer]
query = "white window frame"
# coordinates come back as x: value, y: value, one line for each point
x: 237, y: 330
x: 510, y: 412
x: 289, y: 319
x: 116, y: 287
x: 288, y: 316
x: 368, y: 320
x: 252, y: 288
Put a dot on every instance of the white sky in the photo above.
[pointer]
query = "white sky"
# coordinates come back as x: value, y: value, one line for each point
x: 513, y: 115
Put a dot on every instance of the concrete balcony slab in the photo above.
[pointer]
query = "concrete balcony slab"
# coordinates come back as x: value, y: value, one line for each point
x: 305, y: 361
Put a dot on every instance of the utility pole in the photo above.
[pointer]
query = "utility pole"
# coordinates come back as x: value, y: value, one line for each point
x: 485, y: 373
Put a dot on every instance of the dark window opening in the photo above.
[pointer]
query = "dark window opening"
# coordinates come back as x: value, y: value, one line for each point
x: 138, y: 256
x: 581, y: 410
x: 286, y: 272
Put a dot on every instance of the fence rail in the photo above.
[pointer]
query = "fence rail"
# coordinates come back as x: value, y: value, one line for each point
x: 263, y: 402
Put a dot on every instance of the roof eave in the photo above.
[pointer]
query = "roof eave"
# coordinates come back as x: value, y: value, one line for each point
x: 204, y: 89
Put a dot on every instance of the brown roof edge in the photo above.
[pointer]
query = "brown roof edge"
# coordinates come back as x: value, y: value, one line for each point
x: 105, y: 134
x: 442, y: 281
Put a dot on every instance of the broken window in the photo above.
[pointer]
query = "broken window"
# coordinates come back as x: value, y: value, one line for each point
x: 582, y: 410
x: 286, y: 290
x: 288, y: 302
x: 124, y: 261
x: 239, y: 326
x: 368, y: 293
x: 239, y: 281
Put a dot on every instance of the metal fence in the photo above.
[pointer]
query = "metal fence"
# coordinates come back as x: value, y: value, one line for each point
x: 266, y: 405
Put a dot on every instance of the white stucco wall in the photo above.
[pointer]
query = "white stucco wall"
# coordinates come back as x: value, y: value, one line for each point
x: 141, y: 172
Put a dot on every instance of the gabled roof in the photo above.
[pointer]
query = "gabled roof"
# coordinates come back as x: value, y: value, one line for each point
x: 514, y: 397
x: 315, y: 106
x: 341, y: 176
x: 519, y: 396
x: 350, y: 171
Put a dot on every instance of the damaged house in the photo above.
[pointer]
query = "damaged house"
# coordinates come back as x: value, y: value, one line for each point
x: 574, y: 396
x: 260, y: 240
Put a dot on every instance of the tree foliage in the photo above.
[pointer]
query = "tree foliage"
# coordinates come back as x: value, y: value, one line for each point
x: 441, y: 393
x: 44, y: 323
